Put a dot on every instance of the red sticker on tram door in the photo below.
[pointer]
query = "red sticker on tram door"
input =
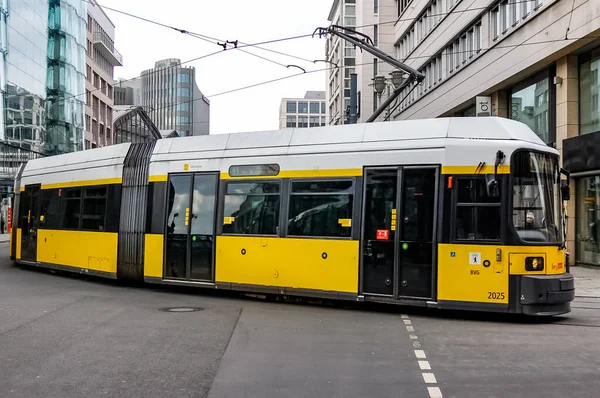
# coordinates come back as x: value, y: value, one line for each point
x: 383, y: 234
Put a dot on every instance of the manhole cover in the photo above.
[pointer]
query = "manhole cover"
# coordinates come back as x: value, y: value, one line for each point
x: 182, y: 309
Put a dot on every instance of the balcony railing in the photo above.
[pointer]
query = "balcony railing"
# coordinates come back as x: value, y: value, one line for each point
x: 106, y: 46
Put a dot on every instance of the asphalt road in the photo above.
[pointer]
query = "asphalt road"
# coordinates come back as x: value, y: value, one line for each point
x: 66, y: 336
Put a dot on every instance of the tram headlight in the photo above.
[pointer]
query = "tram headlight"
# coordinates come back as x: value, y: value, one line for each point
x: 534, y: 264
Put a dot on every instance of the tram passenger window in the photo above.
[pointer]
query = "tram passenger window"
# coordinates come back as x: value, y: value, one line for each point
x: 94, y: 209
x: 50, y: 209
x: 478, y: 216
x: 251, y: 208
x: 71, y: 208
x: 321, y: 208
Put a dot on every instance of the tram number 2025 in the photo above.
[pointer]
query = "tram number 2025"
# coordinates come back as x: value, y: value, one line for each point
x: 495, y: 296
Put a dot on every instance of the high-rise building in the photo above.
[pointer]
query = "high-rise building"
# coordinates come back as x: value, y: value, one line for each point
x: 309, y: 111
x: 173, y: 100
x: 65, y: 82
x: 42, y: 66
x: 101, y: 59
x: 366, y: 17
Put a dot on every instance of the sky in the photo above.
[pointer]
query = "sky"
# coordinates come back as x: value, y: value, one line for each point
x: 142, y: 44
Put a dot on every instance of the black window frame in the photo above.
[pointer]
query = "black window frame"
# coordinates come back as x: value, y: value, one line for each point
x: 112, y: 203
x: 221, y: 205
x: 352, y: 193
x: 456, y: 179
x: 85, y: 196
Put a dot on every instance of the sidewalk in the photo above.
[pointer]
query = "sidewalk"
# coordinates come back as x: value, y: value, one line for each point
x: 5, y: 237
x: 587, y: 281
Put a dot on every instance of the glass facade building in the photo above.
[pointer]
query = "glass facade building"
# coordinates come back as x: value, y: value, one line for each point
x: 42, y: 66
x: 24, y: 39
x: 65, y: 82
x: 172, y: 99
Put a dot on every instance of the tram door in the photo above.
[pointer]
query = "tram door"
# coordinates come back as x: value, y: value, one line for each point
x: 29, y: 222
x: 398, y: 241
x: 190, y: 230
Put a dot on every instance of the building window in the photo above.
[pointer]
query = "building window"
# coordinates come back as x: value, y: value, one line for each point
x: 531, y: 105
x: 375, y: 35
x: 588, y: 220
x: 403, y: 5
x: 302, y: 107
x: 183, y: 78
x: 302, y: 121
x: 349, y: 15
x: 323, y: 107
x: 290, y: 121
x: 314, y: 121
x: 290, y: 107
x: 183, y: 92
x: 589, y: 90
x: 315, y: 107
x: 251, y: 208
x: 321, y: 208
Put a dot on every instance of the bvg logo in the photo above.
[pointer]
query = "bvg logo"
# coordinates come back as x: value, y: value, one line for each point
x: 474, y: 272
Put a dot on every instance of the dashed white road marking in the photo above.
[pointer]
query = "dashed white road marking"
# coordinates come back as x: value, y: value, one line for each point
x: 428, y: 377
x: 420, y: 354
x: 424, y: 365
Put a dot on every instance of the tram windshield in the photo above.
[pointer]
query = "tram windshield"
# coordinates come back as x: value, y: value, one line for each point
x: 536, y: 198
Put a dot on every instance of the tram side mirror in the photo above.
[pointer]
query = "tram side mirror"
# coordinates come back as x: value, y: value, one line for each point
x: 492, y: 185
x: 565, y: 190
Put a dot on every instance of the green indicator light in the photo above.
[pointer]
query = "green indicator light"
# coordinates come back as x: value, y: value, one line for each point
x: 194, y: 238
x: 405, y: 246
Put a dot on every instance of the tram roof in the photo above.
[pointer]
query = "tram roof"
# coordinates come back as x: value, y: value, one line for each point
x: 473, y: 128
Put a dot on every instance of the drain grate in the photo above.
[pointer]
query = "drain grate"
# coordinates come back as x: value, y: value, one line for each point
x: 182, y: 309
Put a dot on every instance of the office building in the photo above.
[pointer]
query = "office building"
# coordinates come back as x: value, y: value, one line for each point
x: 173, y: 100
x: 369, y: 17
x: 128, y: 92
x: 42, y: 74
x: 65, y: 81
x: 309, y: 111
x: 101, y: 59
x: 533, y: 61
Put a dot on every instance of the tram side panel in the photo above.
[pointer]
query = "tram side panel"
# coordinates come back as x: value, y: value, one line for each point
x: 79, y: 228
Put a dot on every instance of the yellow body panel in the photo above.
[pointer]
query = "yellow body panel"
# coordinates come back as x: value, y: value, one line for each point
x: 158, y: 178
x: 153, y: 255
x: 10, y: 241
x: 18, y: 249
x: 554, y: 260
x: 94, y: 251
x: 462, y: 279
x: 289, y: 262
x: 84, y: 183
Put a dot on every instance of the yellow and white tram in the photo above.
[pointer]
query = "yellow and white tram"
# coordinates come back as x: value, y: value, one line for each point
x: 462, y: 213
